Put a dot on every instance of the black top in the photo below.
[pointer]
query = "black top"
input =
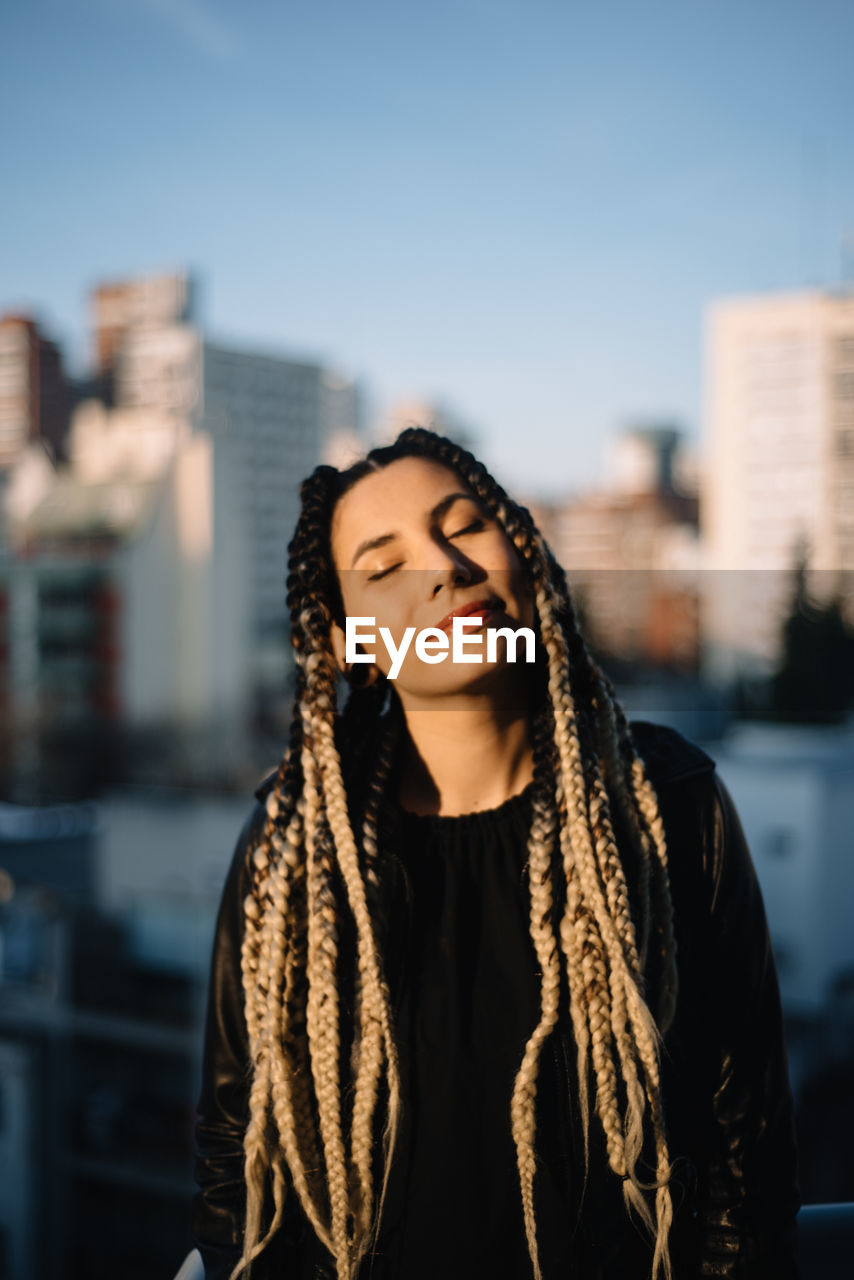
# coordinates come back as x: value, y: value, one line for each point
x: 468, y: 996
x: 467, y: 1002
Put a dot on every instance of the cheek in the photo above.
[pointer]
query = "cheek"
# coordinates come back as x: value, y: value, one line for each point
x: 386, y: 604
x: 356, y: 600
x: 391, y: 608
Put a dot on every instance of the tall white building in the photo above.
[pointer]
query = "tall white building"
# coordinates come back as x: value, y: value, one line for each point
x: 278, y: 418
x: 778, y: 475
x: 125, y: 600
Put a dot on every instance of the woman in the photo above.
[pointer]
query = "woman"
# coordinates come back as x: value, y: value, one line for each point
x: 492, y: 990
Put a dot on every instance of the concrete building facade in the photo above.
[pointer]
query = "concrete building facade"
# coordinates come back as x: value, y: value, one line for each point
x: 630, y: 551
x: 123, y: 604
x: 778, y: 473
x: 35, y: 398
x: 147, y: 302
x: 275, y: 419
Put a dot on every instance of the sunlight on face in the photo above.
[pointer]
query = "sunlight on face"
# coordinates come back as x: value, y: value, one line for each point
x: 412, y: 545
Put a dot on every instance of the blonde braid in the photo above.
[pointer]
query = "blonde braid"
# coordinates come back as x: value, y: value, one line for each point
x: 253, y: 959
x: 608, y: 859
x: 322, y: 1014
x: 369, y: 1061
x: 648, y: 829
x: 255, y: 963
x: 375, y: 1020
x: 289, y: 1095
x: 522, y: 1107
x: 614, y: 740
x: 579, y: 845
x: 649, y: 811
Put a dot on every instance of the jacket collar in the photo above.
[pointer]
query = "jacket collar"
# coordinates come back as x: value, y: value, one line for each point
x: 264, y: 789
x: 667, y: 755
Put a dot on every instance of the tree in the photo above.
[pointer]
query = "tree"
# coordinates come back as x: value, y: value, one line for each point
x: 815, y: 681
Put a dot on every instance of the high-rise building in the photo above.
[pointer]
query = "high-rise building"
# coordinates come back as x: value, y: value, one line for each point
x: 146, y: 302
x: 143, y: 585
x: 272, y: 420
x: 630, y: 552
x: 778, y: 476
x: 645, y: 459
x: 34, y: 394
x: 123, y: 608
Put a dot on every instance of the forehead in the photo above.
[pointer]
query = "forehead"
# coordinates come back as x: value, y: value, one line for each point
x: 387, y: 500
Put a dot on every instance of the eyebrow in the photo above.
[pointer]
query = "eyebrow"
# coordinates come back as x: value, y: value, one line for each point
x: 436, y: 513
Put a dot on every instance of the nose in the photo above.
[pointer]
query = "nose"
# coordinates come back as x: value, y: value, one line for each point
x: 447, y: 568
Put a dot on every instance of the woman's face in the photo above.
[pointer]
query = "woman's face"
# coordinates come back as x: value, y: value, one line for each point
x: 412, y: 545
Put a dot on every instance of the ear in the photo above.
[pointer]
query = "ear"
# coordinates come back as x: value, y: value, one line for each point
x: 360, y: 674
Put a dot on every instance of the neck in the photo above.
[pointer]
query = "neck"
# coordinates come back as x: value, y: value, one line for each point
x: 472, y: 755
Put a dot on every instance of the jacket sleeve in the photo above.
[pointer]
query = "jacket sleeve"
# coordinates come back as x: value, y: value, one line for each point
x: 218, y: 1208
x: 749, y: 1192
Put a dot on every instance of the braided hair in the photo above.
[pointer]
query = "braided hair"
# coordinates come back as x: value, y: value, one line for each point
x: 322, y: 1103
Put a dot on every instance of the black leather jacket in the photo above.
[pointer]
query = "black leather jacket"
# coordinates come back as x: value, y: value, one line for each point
x: 727, y: 1099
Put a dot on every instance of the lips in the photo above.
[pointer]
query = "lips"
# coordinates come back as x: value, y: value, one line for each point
x: 479, y: 607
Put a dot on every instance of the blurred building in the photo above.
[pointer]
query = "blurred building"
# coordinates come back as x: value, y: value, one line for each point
x: 779, y: 464
x: 147, y: 302
x: 792, y: 787
x: 142, y: 586
x: 342, y: 411
x: 100, y: 1021
x: 278, y: 418
x: 435, y: 415
x: 793, y: 790
x: 35, y: 396
x: 123, y: 604
x: 631, y: 553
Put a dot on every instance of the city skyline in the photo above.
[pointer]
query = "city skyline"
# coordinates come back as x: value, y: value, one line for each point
x: 523, y: 215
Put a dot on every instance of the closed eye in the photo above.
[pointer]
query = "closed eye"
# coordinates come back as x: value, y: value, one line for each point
x: 382, y: 573
x: 474, y: 527
x: 470, y: 528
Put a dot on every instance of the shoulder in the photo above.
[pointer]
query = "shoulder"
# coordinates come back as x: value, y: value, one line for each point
x: 697, y: 809
x: 265, y: 786
x: 669, y: 758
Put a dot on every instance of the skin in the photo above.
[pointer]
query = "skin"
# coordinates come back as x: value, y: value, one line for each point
x: 446, y: 552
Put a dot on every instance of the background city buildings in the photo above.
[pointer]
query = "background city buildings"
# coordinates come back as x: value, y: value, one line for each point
x: 35, y: 396
x: 512, y: 219
x: 778, y: 471
x: 145, y: 533
x: 144, y: 691
x: 271, y: 420
x: 143, y: 579
x: 631, y: 551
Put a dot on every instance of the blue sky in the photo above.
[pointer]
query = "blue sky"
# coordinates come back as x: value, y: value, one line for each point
x: 521, y: 209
